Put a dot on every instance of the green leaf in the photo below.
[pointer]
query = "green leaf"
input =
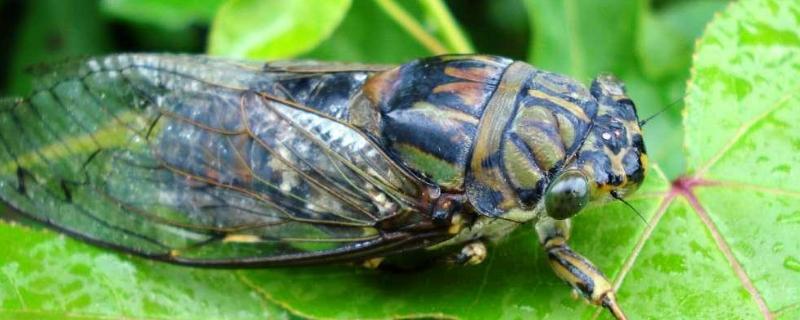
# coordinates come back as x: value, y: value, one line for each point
x: 742, y: 140
x: 166, y: 14
x: 515, y: 281
x: 273, y: 29
x: 44, y: 276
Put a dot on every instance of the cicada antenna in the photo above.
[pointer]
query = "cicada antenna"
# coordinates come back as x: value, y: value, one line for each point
x: 616, y: 195
x: 672, y: 104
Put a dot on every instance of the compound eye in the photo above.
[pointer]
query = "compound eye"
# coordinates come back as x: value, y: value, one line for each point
x: 567, y: 195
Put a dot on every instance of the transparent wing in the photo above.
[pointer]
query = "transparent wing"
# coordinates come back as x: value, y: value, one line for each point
x: 193, y: 160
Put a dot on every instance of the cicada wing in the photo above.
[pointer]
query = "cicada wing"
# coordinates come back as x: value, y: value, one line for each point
x: 185, y: 159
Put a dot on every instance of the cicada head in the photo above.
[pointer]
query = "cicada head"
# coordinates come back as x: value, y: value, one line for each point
x: 610, y: 163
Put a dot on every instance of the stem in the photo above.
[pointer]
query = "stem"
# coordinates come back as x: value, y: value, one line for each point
x: 452, y: 32
x: 405, y: 20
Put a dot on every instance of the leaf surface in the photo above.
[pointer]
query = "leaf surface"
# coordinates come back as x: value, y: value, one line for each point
x: 743, y: 144
x: 47, y: 276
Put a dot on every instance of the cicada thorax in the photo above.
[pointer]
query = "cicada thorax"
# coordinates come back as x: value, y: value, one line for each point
x: 534, y: 124
x: 488, y: 127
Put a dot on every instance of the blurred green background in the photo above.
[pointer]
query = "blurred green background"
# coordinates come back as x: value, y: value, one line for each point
x: 646, y: 43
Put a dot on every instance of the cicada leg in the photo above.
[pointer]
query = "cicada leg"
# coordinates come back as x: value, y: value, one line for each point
x: 573, y: 268
x: 473, y: 253
x: 373, y: 263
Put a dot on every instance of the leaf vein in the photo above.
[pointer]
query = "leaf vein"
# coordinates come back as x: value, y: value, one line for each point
x: 780, y: 312
x: 726, y: 250
x: 755, y: 187
x: 16, y: 290
x: 637, y: 249
x: 744, y: 129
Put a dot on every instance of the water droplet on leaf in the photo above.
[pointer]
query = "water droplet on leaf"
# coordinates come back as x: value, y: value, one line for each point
x: 791, y: 263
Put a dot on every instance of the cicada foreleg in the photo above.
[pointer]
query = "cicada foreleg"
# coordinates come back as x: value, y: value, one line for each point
x: 573, y: 268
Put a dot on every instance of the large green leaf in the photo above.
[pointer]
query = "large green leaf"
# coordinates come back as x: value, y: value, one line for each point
x: 273, y: 29
x: 720, y: 242
x: 743, y: 141
x: 515, y: 281
x: 44, y: 276
x: 742, y: 189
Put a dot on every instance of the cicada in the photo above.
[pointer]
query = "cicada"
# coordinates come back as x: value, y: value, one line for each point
x: 211, y: 162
